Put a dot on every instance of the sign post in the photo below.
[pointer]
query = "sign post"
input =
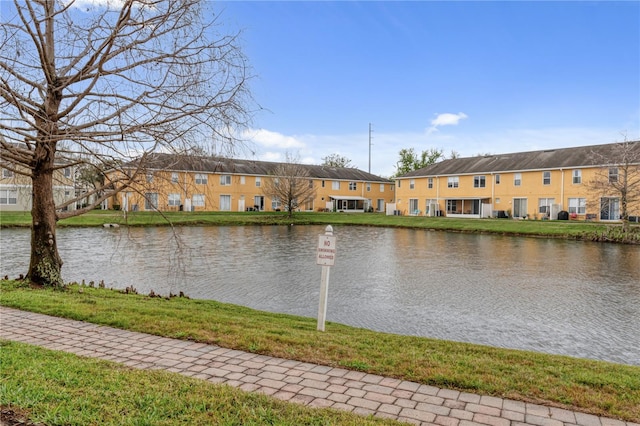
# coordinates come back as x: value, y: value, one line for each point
x: 326, y: 256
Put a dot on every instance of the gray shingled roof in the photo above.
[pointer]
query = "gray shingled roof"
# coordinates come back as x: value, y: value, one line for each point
x: 583, y: 156
x: 201, y: 164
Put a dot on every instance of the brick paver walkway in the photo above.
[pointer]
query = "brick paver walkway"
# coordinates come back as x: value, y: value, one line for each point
x: 299, y: 382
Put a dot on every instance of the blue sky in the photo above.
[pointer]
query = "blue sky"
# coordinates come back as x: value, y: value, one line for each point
x: 471, y: 77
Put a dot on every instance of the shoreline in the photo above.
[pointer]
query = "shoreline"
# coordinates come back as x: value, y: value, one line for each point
x: 568, y: 230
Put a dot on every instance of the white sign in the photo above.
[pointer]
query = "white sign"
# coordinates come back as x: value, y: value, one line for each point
x: 326, y: 254
x: 326, y: 257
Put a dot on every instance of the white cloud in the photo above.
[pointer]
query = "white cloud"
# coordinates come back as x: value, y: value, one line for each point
x: 447, y: 119
x: 271, y: 156
x: 271, y: 139
x: 86, y: 4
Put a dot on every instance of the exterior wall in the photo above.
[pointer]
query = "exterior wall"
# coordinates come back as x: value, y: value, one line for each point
x: 557, y: 188
x: 239, y: 195
x: 15, y: 190
x: 373, y: 191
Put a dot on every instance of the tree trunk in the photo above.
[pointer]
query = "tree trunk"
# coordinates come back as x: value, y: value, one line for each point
x: 46, y: 264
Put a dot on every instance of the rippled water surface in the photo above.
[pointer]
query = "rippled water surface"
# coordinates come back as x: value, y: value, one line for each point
x: 563, y: 297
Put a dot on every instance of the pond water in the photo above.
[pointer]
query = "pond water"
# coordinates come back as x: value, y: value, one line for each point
x: 554, y: 296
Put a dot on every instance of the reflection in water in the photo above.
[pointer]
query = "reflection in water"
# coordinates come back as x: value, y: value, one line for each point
x: 564, y: 297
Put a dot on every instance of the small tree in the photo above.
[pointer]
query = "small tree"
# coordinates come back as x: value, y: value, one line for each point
x: 410, y: 161
x: 89, y: 84
x: 290, y: 183
x: 336, y: 160
x: 619, y: 176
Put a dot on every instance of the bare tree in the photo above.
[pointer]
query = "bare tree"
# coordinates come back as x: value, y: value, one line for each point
x: 336, y: 160
x: 291, y: 184
x: 96, y: 84
x: 618, y: 179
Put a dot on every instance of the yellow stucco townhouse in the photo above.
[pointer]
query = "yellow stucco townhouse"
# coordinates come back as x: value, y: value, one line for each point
x: 204, y: 183
x: 15, y: 188
x: 549, y: 184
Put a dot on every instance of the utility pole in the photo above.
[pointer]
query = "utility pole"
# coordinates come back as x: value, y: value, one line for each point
x: 370, y: 131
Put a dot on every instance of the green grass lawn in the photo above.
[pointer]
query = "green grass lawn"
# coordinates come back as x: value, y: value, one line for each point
x: 590, y: 386
x: 57, y: 388
x: 553, y: 228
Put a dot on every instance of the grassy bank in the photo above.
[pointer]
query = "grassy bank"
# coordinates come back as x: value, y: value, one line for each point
x: 551, y: 229
x: 589, y: 386
x: 56, y: 388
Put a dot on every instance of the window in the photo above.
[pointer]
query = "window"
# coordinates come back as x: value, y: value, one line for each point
x: 201, y: 179
x: 242, y: 180
x: 544, y: 205
x: 225, y: 180
x: 546, y: 178
x: 258, y: 181
x: 399, y: 184
x: 412, y: 185
x: 151, y: 201
x: 430, y: 183
x: 8, y: 196
x: 7, y: 173
x: 578, y: 205
x: 276, y: 204
x: 353, y: 186
x: 67, y: 172
x: 225, y: 203
x: 174, y: 177
x: 335, y: 184
x: 258, y: 202
x: 149, y: 177
x: 452, y: 206
x: 577, y: 176
x: 174, y: 199
x: 497, y: 179
x: 322, y: 184
x: 431, y: 208
x: 382, y: 187
x: 368, y: 187
x: 519, y: 207
x: 310, y: 183
x: 613, y: 175
x: 609, y: 208
x: 517, y: 179
x: 413, y: 206
x: 479, y: 181
x: 453, y: 182
x: 198, y: 200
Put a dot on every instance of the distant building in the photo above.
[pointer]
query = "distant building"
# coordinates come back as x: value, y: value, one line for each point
x: 536, y: 184
x: 15, y: 189
x: 199, y: 183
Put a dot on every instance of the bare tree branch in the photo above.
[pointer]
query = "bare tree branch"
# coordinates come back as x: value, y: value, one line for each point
x: 103, y: 85
x: 290, y: 184
x: 618, y: 179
